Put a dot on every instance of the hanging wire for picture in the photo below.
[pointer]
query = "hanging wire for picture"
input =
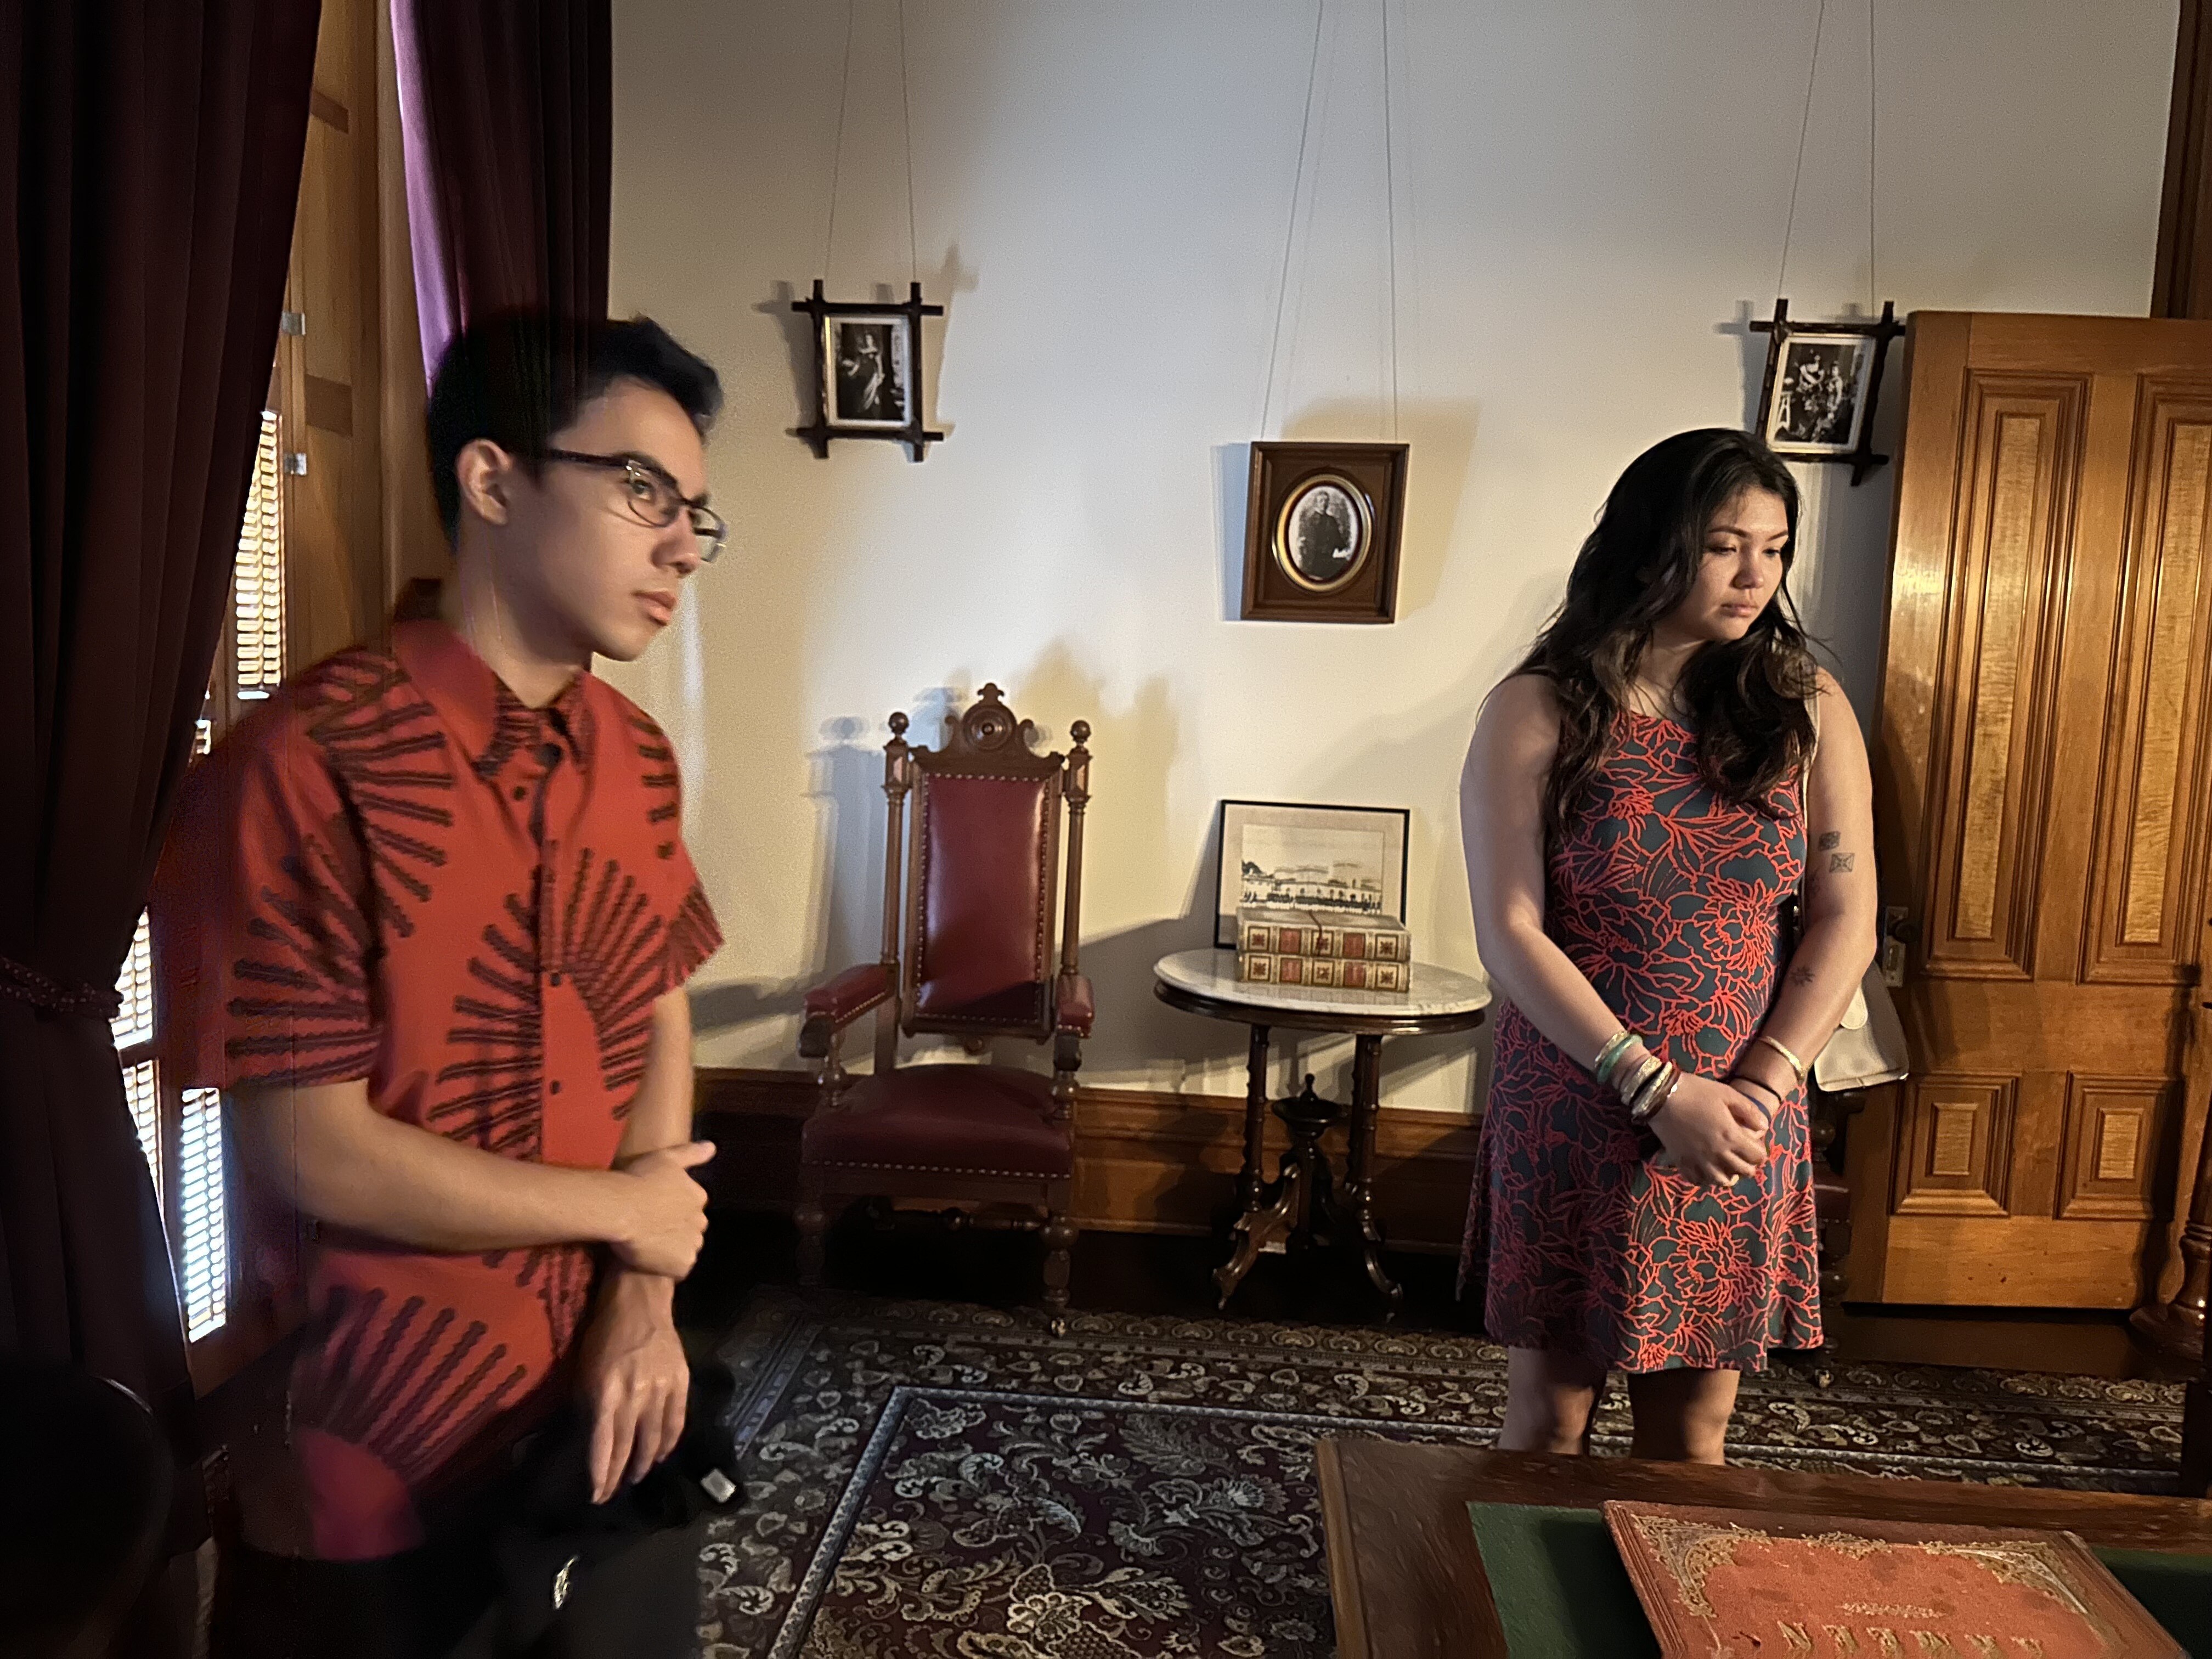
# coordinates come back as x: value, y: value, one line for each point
x: 1291, y: 228
x: 1390, y: 216
x: 1823, y: 381
x: 1804, y: 129
x: 837, y: 160
x: 867, y: 356
x: 905, y: 112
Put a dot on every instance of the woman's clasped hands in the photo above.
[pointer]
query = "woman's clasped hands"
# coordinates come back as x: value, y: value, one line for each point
x: 1712, y: 1133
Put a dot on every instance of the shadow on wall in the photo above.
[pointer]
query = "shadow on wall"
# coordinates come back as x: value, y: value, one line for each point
x: 1133, y: 748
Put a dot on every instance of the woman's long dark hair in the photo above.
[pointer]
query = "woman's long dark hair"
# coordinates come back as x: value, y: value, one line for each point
x: 1746, y: 698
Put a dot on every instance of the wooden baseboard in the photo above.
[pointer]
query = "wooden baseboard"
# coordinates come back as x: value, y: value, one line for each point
x: 1146, y: 1161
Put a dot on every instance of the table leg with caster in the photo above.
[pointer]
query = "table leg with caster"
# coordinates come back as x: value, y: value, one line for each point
x: 1259, y: 1230
x: 1359, y: 1194
x: 1255, y: 1119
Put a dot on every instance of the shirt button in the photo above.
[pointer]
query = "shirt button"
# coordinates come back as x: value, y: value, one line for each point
x: 556, y: 979
x: 549, y: 754
x: 553, y: 1087
x: 519, y: 792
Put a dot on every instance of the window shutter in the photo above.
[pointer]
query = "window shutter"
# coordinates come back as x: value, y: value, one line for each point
x: 143, y: 1088
x: 134, y: 1022
x: 202, y: 1213
x: 258, y: 616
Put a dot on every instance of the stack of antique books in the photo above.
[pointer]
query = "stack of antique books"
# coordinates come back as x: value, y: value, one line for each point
x: 1302, y: 947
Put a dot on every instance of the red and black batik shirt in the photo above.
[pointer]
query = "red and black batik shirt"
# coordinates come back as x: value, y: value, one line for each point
x: 395, y: 871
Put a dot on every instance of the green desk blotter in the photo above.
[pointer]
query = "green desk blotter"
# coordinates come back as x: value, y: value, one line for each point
x: 1561, y: 1589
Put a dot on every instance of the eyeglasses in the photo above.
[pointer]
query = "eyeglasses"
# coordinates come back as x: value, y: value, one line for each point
x: 655, y: 498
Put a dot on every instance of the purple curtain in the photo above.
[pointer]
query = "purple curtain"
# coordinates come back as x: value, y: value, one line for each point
x: 149, y: 161
x: 506, y: 114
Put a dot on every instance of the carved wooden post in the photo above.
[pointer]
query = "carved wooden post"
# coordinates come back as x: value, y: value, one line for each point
x: 2177, y: 1328
x: 898, y: 778
x: 1075, y: 788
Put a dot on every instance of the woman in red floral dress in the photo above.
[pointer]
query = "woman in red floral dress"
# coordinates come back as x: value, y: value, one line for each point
x: 1642, y: 798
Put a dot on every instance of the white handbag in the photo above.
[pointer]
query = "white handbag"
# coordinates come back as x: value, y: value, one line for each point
x: 1868, y: 1046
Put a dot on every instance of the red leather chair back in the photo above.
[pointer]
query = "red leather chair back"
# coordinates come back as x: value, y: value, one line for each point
x: 982, y: 879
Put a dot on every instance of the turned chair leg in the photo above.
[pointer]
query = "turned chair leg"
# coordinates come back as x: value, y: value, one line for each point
x: 813, y: 1224
x: 1059, y: 1244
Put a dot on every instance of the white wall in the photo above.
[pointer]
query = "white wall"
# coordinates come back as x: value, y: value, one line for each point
x: 1589, y: 200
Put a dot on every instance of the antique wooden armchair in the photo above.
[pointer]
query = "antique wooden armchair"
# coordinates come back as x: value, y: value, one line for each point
x: 980, y: 867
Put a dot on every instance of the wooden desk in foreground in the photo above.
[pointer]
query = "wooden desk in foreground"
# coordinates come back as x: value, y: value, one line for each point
x: 1407, y: 1579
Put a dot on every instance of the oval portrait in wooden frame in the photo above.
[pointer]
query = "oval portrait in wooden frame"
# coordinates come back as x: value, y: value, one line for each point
x: 1325, y: 533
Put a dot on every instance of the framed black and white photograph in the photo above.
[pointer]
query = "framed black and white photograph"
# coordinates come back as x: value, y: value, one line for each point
x: 1822, y: 384
x: 1321, y: 526
x: 1325, y: 533
x: 867, y: 370
x: 1819, y: 394
x: 864, y: 364
x: 1345, y: 862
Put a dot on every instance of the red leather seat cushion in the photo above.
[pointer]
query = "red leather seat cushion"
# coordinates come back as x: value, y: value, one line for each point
x: 953, y: 1120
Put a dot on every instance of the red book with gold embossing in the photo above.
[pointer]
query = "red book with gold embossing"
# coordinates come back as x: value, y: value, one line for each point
x: 1722, y: 1582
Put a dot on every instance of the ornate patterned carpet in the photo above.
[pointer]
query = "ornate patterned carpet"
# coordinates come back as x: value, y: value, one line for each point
x: 929, y: 1478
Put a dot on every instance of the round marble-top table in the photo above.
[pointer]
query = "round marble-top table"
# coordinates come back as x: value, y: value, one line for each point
x: 1301, y: 1202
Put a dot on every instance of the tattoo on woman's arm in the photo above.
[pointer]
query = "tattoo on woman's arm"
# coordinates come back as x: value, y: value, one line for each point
x: 1832, y: 840
x: 1840, y: 863
x: 1802, y: 976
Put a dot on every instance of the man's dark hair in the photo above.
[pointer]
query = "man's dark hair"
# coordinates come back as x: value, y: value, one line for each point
x: 519, y: 377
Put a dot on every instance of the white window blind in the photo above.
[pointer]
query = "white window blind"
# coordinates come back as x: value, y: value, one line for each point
x: 200, y: 1213
x: 143, y: 1088
x: 134, y: 1021
x: 199, y: 1222
x: 258, y: 615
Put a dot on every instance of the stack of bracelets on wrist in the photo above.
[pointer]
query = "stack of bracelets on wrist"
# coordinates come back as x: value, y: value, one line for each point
x: 1655, y: 1092
x: 1645, y: 1087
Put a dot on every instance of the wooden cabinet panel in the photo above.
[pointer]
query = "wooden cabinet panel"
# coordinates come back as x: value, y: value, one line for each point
x: 1958, y: 1133
x: 2114, y: 1127
x: 2023, y: 437
x: 2149, y: 863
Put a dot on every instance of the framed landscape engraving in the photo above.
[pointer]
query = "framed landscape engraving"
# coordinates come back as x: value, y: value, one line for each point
x: 1336, y: 861
x: 1321, y: 525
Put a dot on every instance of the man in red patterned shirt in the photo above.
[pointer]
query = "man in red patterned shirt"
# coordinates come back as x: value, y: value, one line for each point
x: 425, y: 917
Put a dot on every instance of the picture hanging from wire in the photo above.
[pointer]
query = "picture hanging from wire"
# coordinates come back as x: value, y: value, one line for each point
x: 867, y: 355
x: 1823, y: 382
x: 867, y: 370
x: 1323, y: 520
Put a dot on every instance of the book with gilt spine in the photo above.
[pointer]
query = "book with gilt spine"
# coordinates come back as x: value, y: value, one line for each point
x: 1327, y: 973
x: 1263, y: 931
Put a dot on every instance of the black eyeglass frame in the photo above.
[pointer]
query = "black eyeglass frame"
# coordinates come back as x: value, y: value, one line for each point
x: 710, y: 527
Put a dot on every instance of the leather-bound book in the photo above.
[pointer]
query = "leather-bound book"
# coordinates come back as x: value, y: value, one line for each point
x: 1722, y: 1582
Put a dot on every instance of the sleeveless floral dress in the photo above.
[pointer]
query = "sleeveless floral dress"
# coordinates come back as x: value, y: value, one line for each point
x: 1668, y: 899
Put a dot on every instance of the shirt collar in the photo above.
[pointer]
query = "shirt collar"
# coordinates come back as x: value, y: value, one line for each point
x: 490, y: 722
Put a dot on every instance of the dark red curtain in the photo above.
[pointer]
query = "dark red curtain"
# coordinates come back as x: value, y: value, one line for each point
x: 149, y: 161
x: 507, y: 113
